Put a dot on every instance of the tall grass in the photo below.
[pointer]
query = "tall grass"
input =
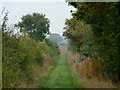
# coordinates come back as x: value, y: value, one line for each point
x: 89, y: 72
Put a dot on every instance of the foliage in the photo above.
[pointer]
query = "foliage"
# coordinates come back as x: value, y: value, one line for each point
x: 104, y: 19
x: 11, y: 70
x: 5, y: 19
x: 18, y: 54
x: 21, y: 51
x: 36, y: 25
x: 54, y: 47
x: 80, y: 35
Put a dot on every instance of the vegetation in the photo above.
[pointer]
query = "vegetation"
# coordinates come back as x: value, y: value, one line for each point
x: 0, y: 58
x: 86, y: 75
x: 80, y: 35
x: 36, y: 25
x: 54, y: 46
x: 29, y: 59
x: 19, y: 53
x: 94, y: 29
x: 62, y: 76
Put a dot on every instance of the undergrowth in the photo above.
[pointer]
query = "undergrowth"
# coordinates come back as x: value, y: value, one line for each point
x: 20, y: 53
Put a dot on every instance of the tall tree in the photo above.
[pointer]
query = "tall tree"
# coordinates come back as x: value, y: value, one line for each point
x: 36, y: 25
x: 104, y: 19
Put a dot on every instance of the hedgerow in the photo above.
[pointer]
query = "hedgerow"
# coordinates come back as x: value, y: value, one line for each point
x: 19, y: 52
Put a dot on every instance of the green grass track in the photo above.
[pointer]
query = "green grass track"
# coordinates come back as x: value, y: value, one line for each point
x: 62, y: 76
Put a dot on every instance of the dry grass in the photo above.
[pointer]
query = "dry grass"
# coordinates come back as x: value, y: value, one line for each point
x: 86, y: 78
x: 95, y: 82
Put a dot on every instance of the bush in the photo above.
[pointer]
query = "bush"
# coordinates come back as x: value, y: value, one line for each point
x: 18, y: 55
x: 10, y: 61
x: 53, y: 46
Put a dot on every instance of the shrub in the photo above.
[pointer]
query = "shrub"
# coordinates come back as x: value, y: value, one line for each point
x: 53, y: 46
x: 18, y: 55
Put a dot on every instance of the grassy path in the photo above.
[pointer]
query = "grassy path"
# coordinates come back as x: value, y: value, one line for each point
x: 62, y: 76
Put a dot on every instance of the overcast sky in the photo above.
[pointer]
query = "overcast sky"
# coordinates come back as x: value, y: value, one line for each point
x: 56, y: 12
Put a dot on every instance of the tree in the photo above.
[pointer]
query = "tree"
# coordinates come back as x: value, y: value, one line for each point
x: 79, y: 33
x: 5, y: 19
x: 36, y: 25
x: 104, y: 19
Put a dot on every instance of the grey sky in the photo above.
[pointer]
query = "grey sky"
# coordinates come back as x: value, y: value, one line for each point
x: 56, y: 12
